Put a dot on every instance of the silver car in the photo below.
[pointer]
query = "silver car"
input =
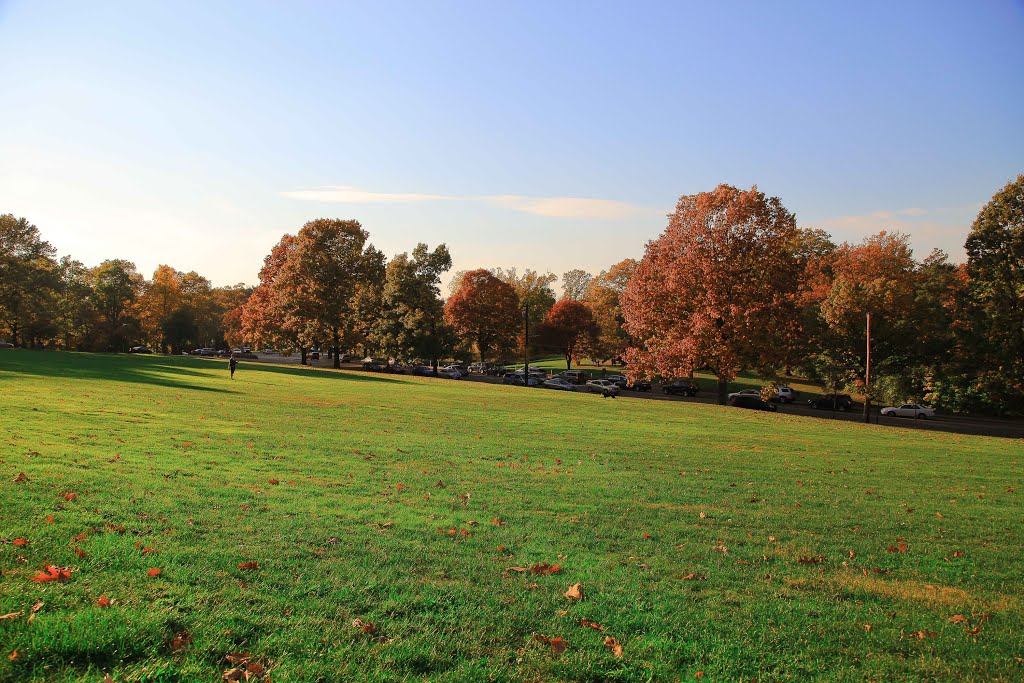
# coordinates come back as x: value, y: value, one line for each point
x: 603, y: 387
x: 908, y: 410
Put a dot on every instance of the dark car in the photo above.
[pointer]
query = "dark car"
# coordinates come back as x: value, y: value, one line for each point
x: 841, y: 402
x: 139, y: 349
x: 751, y: 402
x: 640, y: 385
x: 681, y: 387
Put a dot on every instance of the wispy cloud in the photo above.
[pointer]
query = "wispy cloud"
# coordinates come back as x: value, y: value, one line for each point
x: 945, y: 228
x: 556, y: 207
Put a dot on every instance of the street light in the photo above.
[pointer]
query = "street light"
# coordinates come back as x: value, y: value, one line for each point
x: 526, y: 344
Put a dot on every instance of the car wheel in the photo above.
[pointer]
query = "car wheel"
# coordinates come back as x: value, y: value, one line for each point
x: 921, y: 416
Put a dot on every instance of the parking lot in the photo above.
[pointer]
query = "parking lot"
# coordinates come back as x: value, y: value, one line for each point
x: 959, y: 424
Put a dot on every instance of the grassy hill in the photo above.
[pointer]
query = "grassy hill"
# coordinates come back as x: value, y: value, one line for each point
x: 347, y: 526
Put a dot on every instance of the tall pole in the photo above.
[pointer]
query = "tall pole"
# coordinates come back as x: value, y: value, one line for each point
x: 867, y: 376
x: 526, y: 345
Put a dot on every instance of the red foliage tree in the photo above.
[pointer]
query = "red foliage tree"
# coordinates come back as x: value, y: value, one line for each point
x: 715, y: 290
x: 566, y: 324
x: 485, y: 311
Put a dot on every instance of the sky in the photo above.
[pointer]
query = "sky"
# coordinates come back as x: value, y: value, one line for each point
x: 536, y: 135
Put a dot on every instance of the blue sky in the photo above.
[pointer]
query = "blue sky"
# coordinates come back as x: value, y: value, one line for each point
x: 536, y: 135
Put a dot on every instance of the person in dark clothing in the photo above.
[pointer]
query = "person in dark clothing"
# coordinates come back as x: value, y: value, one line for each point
x: 233, y: 363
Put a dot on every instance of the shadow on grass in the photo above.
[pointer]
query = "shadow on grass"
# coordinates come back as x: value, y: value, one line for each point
x: 96, y: 366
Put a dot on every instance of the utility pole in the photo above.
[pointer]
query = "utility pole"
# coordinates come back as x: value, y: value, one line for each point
x: 526, y: 345
x: 867, y: 377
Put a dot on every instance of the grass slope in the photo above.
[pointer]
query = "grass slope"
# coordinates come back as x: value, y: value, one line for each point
x: 790, y: 520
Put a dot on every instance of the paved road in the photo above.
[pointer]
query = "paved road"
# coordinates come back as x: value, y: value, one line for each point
x: 986, y: 426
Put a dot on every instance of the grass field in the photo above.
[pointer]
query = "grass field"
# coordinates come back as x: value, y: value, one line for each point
x: 348, y: 526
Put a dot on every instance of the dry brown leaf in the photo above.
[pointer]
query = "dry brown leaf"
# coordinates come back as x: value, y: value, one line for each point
x: 557, y: 644
x: 234, y: 674
x: 957, y: 619
x: 694, y: 577
x: 614, y: 645
x: 575, y: 592
x: 591, y: 624
x: 12, y: 615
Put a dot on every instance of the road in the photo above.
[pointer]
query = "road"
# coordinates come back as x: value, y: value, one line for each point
x: 958, y: 424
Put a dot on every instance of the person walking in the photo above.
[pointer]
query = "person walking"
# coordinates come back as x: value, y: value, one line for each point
x: 233, y: 363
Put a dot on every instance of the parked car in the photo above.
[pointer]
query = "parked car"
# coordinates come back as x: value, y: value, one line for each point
x: 371, y: 365
x: 618, y: 380
x: 640, y: 385
x: 840, y: 402
x: 745, y: 392
x: 913, y: 410
x: 751, y: 402
x: 603, y: 387
x: 6, y: 345
x: 422, y: 371
x: 314, y: 355
x: 785, y: 394
x: 559, y: 383
x: 207, y: 351
x: 139, y: 349
x: 576, y: 376
x: 451, y: 372
x: 681, y: 387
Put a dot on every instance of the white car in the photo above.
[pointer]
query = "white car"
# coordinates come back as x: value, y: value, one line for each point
x: 559, y: 383
x: 450, y: 372
x: 785, y: 394
x: 603, y: 387
x: 908, y: 410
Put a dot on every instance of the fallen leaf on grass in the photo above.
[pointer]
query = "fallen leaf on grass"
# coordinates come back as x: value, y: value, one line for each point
x: 80, y: 553
x: 721, y: 548
x: 498, y: 522
x: 957, y: 619
x: 645, y: 535
x: 12, y: 615
x: 103, y: 602
x: 901, y: 548
x: 867, y: 627
x: 557, y: 644
x: 811, y: 560
x: 614, y: 645
x: 180, y: 642
x: 958, y: 553
x: 19, y: 542
x: 14, y: 655
x: 154, y: 572
x: 273, y: 482
x: 591, y: 624
x: 249, y: 565
x: 545, y: 569
x: 70, y: 496
x: 21, y: 478
x: 52, y: 573
x: 695, y: 577
x: 147, y: 550
x: 921, y: 635
x: 49, y: 519
x: 574, y: 592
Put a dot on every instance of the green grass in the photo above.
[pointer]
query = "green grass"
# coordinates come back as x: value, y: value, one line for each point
x: 182, y: 458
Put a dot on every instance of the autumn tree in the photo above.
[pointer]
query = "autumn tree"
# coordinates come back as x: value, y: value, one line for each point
x: 566, y: 324
x: 269, y: 315
x: 27, y: 276
x: 484, y: 310
x: 533, y: 290
x: 714, y: 289
x: 329, y: 265
x: 575, y: 283
x: 603, y: 298
x: 160, y: 297
x: 412, y: 323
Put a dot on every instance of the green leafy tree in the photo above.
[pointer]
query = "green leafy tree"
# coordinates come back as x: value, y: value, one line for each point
x: 116, y: 287
x: 28, y: 278
x: 412, y: 323
x: 995, y: 299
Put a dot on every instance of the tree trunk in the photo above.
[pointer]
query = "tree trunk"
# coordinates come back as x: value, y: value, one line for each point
x: 302, y: 351
x: 723, y: 390
x: 335, y: 348
x: 867, y: 409
x: 568, y: 360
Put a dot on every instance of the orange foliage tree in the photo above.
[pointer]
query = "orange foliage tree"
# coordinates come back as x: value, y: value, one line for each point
x: 715, y: 289
x: 485, y: 311
x: 567, y: 323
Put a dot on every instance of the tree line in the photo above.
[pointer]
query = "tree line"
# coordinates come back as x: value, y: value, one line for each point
x: 732, y: 284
